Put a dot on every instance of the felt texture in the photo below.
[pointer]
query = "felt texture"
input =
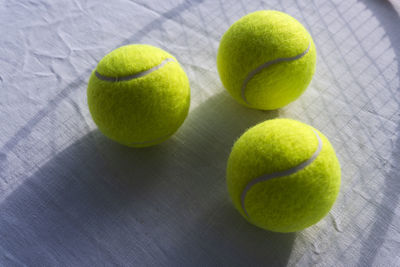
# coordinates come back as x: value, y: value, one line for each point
x: 70, y: 196
x: 290, y: 203
x: 258, y: 38
x: 143, y: 111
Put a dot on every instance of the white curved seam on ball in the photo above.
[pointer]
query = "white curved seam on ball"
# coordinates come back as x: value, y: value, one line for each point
x: 151, y: 141
x: 133, y: 76
x: 267, y: 64
x: 288, y: 172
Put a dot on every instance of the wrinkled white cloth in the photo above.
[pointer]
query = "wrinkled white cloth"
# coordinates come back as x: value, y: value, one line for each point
x: 71, y: 197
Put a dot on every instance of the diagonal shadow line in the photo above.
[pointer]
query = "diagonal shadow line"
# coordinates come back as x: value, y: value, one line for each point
x: 353, y: 76
x: 391, y: 186
x: 384, y: 211
x: 25, y: 130
x: 331, y: 67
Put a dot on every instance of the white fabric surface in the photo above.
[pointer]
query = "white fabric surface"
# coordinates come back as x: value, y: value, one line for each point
x: 71, y: 197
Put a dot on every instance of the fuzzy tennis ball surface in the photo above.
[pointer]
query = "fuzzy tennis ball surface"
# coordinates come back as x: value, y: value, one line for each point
x: 266, y: 59
x: 283, y: 175
x: 138, y: 95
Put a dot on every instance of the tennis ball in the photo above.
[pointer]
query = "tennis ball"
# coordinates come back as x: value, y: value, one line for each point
x: 283, y: 175
x: 138, y: 95
x: 266, y: 59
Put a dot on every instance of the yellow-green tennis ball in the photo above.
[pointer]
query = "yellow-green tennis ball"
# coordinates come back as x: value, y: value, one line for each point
x: 138, y: 95
x: 283, y: 175
x: 266, y: 59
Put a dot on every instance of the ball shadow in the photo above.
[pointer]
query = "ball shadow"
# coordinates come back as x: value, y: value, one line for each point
x: 122, y: 205
x: 215, y: 233
x: 221, y: 237
x: 94, y: 198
